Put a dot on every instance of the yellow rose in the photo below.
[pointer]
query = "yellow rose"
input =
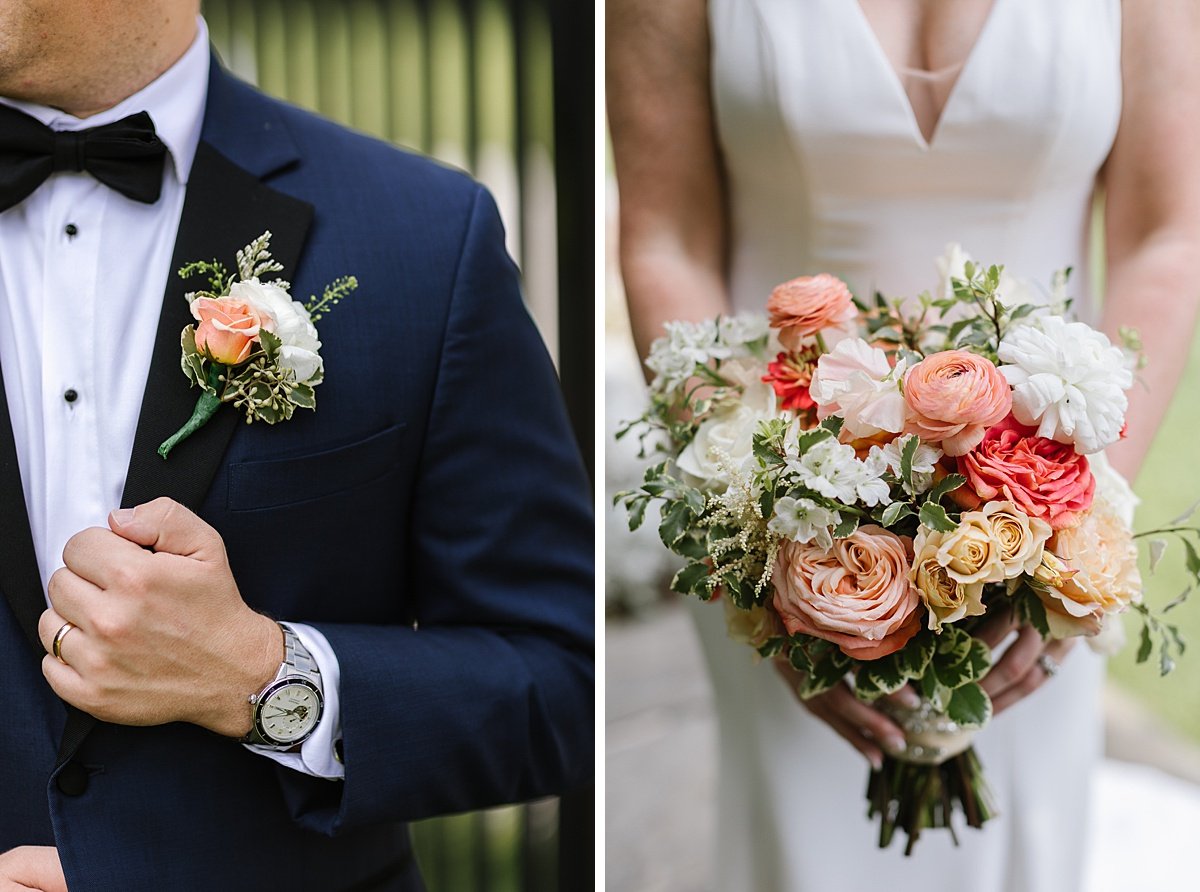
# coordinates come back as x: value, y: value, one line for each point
x: 971, y: 553
x: 946, y: 600
x: 1089, y: 572
x: 1021, y: 538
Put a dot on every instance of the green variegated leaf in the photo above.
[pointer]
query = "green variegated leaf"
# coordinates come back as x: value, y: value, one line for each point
x: 833, y: 424
x: 636, y: 509
x: 885, y: 674
x: 945, y: 486
x: 917, y: 654
x: 894, y: 512
x: 303, y: 397
x: 809, y: 439
x: 694, y: 499
x: 1145, y: 646
x: 692, y: 546
x: 848, y: 525
x: 906, y: 461
x: 674, y: 523
x: 690, y: 579
x: 935, y: 518
x: 970, y: 706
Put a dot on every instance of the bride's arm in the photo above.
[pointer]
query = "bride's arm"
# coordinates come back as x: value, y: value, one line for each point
x: 673, y: 236
x: 1152, y: 212
x: 672, y: 202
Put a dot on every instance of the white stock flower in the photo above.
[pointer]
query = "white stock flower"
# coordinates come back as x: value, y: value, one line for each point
x: 924, y: 460
x: 729, y: 431
x: 1068, y: 381
x: 674, y: 356
x: 289, y: 321
x: 803, y: 520
x: 833, y: 470
x: 855, y: 382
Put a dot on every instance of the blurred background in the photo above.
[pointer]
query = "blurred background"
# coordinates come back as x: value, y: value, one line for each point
x: 660, y: 741
x: 503, y: 89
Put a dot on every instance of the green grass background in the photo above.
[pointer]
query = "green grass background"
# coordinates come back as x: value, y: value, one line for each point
x: 1168, y: 484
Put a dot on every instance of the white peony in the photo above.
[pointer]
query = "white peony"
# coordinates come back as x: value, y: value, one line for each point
x: 855, y: 382
x: 728, y: 432
x: 1068, y: 381
x: 289, y: 321
x: 833, y: 470
x: 803, y: 520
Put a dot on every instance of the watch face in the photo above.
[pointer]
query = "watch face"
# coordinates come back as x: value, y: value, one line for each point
x: 289, y: 713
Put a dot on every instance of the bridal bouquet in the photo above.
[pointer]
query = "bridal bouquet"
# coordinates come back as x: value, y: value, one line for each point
x: 862, y: 485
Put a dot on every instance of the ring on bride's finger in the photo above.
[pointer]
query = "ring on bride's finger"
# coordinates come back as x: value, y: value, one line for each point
x: 58, y: 639
x: 1048, y: 665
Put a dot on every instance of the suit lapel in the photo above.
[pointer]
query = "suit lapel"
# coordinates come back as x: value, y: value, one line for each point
x: 226, y: 207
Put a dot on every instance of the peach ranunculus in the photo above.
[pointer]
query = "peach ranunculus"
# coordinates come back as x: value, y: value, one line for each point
x: 1043, y: 478
x: 856, y: 595
x: 228, y: 329
x: 1089, y: 572
x: 953, y: 398
x: 802, y: 307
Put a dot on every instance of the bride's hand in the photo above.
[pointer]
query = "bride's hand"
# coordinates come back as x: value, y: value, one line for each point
x: 858, y: 723
x: 1023, y: 667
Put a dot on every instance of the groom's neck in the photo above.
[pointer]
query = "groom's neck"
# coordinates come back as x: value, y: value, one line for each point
x: 85, y: 56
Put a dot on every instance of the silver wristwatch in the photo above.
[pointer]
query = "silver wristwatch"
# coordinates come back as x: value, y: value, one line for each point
x: 286, y: 712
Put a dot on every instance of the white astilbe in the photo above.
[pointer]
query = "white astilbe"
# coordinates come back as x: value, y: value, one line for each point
x: 674, y: 356
x: 833, y: 470
x: 803, y: 520
x: 924, y: 460
x: 1068, y: 381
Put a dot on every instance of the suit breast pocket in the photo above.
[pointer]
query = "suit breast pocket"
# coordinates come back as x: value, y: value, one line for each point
x: 275, y: 483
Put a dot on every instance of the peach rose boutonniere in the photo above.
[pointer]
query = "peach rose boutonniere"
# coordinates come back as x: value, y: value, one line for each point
x: 253, y: 346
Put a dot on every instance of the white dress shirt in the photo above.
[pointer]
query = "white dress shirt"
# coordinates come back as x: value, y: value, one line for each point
x: 82, y: 275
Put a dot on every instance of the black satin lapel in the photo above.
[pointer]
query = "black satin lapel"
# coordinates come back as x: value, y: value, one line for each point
x: 19, y: 576
x: 225, y: 209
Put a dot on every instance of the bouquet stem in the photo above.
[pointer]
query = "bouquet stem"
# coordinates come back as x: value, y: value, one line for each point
x: 206, y: 408
x: 912, y: 797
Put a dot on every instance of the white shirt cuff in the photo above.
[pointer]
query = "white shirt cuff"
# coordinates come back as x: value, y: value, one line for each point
x: 316, y: 755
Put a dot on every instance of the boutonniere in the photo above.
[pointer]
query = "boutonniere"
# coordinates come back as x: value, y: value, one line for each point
x: 253, y: 345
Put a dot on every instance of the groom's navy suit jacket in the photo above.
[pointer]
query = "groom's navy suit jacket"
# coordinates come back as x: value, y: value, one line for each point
x: 431, y: 518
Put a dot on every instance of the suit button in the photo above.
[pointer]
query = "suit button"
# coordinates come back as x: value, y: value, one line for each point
x: 72, y: 780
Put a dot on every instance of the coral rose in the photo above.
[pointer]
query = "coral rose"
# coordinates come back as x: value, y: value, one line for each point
x: 856, y: 595
x: 228, y: 328
x: 1089, y: 573
x: 1041, y: 477
x: 802, y: 307
x: 953, y: 398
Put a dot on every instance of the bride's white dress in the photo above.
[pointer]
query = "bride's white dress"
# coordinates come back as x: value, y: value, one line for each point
x: 829, y: 172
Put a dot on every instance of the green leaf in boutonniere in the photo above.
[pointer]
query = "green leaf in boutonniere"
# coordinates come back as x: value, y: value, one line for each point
x: 254, y: 346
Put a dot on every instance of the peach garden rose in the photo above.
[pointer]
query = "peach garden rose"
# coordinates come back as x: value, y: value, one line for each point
x: 856, y: 595
x: 953, y: 398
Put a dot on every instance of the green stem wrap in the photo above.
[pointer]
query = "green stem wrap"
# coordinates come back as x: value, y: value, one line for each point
x: 206, y: 408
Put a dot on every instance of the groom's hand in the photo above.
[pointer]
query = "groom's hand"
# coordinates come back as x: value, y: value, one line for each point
x: 161, y: 632
x: 31, y: 867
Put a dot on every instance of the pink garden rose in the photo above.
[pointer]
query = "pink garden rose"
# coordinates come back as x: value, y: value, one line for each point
x: 857, y: 383
x: 228, y: 328
x: 857, y: 595
x: 953, y: 398
x: 802, y: 307
x: 1041, y: 477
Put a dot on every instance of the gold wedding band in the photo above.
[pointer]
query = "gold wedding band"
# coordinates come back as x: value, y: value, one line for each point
x: 58, y: 639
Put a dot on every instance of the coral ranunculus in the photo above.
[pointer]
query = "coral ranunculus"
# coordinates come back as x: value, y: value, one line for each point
x: 790, y: 375
x: 802, y: 307
x: 856, y: 595
x: 1041, y: 477
x: 953, y: 398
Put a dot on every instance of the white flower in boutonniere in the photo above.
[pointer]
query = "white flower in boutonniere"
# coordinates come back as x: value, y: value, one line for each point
x: 253, y: 345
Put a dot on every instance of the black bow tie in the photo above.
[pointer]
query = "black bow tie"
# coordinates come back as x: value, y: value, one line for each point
x: 125, y: 155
